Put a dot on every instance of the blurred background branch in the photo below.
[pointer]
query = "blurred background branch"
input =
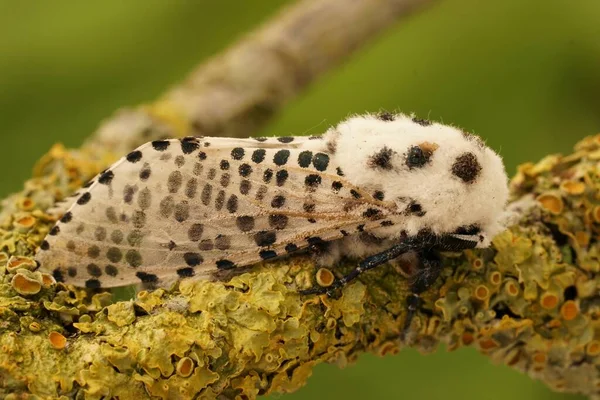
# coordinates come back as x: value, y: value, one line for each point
x: 235, y: 93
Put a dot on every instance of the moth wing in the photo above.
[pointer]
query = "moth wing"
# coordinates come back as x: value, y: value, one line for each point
x: 191, y: 207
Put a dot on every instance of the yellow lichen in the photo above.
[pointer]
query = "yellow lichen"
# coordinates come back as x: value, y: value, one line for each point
x: 574, y: 188
x: 16, y: 262
x: 35, y: 327
x: 481, y: 292
x: 48, y: 280
x: 495, y: 278
x: 477, y: 263
x: 57, y: 340
x: 467, y: 338
x: 549, y: 301
x: 122, y: 313
x: 596, y: 214
x: 25, y: 204
x: 325, y: 277
x: 569, y: 310
x: 390, y: 348
x: 528, y: 303
x: 551, y: 202
x: 26, y: 284
x: 185, y: 366
x: 24, y: 223
x: 512, y: 288
x: 593, y: 348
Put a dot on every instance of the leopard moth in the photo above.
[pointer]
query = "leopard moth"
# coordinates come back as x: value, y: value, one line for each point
x: 374, y: 187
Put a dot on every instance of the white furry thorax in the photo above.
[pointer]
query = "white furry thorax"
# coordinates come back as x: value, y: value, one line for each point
x: 447, y: 201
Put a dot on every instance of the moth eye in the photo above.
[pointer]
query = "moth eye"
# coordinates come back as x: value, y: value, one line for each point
x: 416, y: 157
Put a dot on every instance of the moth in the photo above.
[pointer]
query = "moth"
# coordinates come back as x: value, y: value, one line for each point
x: 374, y: 187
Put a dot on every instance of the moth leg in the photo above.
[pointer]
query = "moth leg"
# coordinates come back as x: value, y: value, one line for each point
x: 365, y: 265
x: 425, y: 275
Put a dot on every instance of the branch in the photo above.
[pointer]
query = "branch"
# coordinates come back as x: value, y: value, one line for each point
x: 530, y: 302
x: 237, y: 92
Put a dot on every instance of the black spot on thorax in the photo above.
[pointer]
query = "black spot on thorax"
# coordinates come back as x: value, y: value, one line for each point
x: 422, y: 122
x: 386, y: 116
x: 382, y: 159
x: 466, y: 167
x: 416, y: 157
x: 415, y: 209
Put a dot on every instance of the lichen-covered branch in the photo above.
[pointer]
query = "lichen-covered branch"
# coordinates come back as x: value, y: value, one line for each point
x: 531, y: 302
x: 237, y: 92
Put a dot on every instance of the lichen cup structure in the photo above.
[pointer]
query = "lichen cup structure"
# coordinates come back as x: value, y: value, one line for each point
x: 530, y: 302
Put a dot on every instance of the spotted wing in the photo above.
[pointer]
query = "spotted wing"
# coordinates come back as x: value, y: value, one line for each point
x: 190, y: 207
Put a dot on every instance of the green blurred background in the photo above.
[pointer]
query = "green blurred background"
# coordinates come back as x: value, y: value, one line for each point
x: 525, y: 75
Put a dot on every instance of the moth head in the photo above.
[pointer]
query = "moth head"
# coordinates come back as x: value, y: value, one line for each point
x: 440, y: 178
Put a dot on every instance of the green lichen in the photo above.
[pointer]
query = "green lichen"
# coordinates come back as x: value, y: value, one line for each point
x: 530, y: 302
